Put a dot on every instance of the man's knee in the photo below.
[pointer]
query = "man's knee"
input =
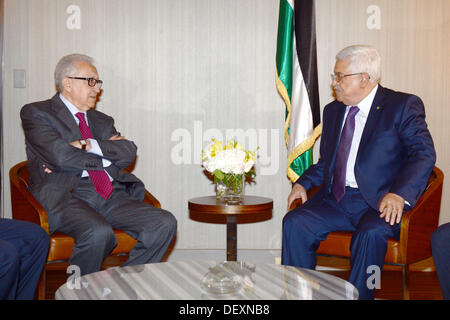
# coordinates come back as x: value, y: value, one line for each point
x: 171, y: 223
x: 100, y: 235
x: 288, y: 218
x: 161, y: 229
x: 41, y: 239
x: 9, y: 259
x: 376, y: 232
x: 168, y: 223
x: 293, y: 219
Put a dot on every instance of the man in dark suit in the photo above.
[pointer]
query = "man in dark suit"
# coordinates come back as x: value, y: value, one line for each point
x: 376, y: 158
x: 440, y: 244
x: 23, y: 252
x: 75, y: 160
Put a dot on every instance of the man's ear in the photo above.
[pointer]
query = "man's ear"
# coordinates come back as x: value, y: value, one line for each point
x: 365, y: 79
x: 66, y: 84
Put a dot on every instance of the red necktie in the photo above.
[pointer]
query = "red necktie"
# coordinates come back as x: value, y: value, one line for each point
x: 101, y: 181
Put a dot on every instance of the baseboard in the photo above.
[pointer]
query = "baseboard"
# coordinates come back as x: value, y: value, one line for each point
x: 250, y: 255
x: 338, y: 263
x: 274, y: 256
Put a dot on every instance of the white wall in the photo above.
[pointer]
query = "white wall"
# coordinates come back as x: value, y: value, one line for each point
x: 177, y: 71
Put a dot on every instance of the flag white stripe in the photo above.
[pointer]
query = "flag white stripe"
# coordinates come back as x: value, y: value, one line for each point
x: 291, y: 3
x: 301, y: 124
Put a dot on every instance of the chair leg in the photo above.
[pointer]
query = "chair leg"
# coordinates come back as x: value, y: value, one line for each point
x: 405, y: 277
x: 42, y: 284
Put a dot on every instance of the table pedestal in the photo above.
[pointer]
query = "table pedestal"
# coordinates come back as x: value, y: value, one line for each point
x: 249, y: 205
x: 232, y: 238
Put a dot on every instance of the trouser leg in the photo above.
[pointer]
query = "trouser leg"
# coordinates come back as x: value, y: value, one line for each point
x: 306, y: 226
x: 94, y: 236
x: 152, y: 227
x: 25, y: 244
x: 32, y: 260
x: 368, y: 250
x: 440, y: 244
x: 9, y: 270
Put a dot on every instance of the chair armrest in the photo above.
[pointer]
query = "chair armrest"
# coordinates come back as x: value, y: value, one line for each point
x: 151, y: 200
x: 298, y: 202
x: 419, y: 223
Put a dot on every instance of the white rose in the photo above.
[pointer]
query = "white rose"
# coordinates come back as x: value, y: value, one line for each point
x: 210, y: 165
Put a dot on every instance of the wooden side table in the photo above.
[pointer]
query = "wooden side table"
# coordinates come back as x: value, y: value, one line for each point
x: 248, y: 205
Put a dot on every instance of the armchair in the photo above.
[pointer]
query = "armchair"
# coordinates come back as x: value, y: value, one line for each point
x: 26, y: 207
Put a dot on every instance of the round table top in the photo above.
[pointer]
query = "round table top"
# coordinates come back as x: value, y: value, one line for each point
x: 248, y: 205
x: 181, y: 280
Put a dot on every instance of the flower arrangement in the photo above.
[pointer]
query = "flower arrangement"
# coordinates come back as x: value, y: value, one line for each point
x: 229, y: 164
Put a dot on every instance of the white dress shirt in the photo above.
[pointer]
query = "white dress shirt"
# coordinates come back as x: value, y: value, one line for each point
x: 360, y: 122
x: 95, y: 148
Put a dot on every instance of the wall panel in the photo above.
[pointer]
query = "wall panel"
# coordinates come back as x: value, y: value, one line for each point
x: 177, y: 72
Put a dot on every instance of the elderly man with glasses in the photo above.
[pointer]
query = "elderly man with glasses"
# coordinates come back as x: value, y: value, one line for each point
x: 376, y: 155
x: 75, y: 159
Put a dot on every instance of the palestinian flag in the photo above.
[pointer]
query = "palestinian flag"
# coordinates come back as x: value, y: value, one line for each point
x: 297, y: 82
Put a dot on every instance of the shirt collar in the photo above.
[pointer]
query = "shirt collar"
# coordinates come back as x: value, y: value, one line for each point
x: 73, y: 110
x: 365, y: 105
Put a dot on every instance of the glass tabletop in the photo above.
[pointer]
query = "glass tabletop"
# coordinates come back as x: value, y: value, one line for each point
x: 208, y: 280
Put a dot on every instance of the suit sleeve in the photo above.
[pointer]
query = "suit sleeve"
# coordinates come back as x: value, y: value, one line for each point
x: 312, y: 177
x: 412, y: 179
x: 120, y: 152
x: 47, y: 144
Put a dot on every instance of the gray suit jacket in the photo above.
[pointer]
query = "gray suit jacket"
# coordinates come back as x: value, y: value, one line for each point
x: 49, y: 128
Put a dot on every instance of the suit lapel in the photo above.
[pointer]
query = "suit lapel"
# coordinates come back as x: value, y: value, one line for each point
x: 372, y: 119
x: 91, y: 122
x: 63, y: 113
x: 96, y: 125
x: 335, y: 133
x: 338, y: 124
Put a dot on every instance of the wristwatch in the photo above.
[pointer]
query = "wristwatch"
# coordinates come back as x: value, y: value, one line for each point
x: 83, y: 144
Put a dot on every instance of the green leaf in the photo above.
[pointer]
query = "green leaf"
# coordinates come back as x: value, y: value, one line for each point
x: 219, y: 175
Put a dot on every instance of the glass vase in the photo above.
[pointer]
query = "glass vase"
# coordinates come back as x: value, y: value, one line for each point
x: 230, y: 189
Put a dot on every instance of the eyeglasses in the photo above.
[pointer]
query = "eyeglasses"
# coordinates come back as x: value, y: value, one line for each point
x: 338, y: 77
x: 91, y: 81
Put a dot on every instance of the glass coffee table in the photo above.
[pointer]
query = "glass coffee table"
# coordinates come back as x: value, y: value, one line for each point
x: 207, y: 280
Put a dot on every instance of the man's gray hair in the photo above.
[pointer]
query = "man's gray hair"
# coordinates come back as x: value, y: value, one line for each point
x: 363, y: 58
x: 66, y: 67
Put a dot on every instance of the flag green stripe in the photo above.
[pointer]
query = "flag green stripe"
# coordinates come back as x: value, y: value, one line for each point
x: 285, y: 45
x: 303, y: 162
x: 300, y: 157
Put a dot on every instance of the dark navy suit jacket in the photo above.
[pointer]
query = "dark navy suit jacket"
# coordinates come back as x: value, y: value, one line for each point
x: 396, y: 153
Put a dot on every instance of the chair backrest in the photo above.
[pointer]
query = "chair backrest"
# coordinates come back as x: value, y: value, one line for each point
x: 22, y: 173
x: 24, y: 206
x: 432, y: 179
